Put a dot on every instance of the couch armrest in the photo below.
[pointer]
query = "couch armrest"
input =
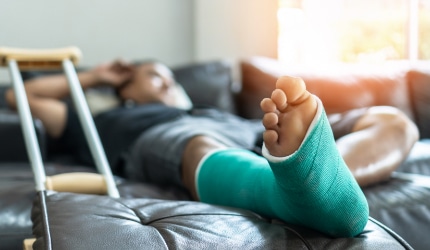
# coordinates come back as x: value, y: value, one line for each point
x: 12, y: 145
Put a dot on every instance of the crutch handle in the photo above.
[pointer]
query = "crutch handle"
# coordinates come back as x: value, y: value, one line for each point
x: 40, y: 59
x: 83, y: 183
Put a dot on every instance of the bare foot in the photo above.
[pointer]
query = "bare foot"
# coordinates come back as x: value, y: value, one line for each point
x: 288, y: 114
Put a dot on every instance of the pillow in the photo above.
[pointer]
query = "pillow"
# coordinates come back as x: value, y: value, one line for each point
x: 100, y: 101
x: 104, y: 98
x: 419, y: 89
x: 182, y: 99
x: 208, y: 84
x: 340, y: 88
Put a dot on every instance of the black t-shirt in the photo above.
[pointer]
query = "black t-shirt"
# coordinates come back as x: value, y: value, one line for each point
x: 118, y: 129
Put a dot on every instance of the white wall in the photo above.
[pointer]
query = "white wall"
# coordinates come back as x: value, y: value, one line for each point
x: 103, y: 29
x: 235, y: 28
x: 174, y: 31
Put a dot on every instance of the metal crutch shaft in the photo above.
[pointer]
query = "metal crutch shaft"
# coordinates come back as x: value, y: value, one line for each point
x: 27, y: 126
x: 89, y: 128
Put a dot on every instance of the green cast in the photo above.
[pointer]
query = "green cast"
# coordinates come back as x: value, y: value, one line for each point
x: 313, y: 187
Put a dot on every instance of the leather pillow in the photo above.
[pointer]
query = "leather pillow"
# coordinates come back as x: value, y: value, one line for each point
x: 208, y: 84
x: 419, y: 87
x: 340, y: 89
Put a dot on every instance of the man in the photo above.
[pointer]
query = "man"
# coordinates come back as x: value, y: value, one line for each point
x: 304, y: 179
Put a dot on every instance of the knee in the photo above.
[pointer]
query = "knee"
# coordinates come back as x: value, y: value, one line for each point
x: 389, y: 120
x: 196, y: 148
x: 203, y: 144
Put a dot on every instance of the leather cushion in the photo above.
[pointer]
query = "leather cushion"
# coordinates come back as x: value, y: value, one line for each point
x: 341, y: 88
x: 95, y: 222
x: 17, y: 192
x: 11, y: 132
x: 418, y: 160
x: 208, y: 84
x: 419, y: 88
x: 404, y: 207
x: 405, y: 198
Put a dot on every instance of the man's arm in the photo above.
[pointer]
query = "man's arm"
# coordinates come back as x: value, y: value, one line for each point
x: 45, y: 93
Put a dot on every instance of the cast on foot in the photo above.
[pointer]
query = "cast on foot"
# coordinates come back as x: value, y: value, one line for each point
x: 316, y: 186
x: 311, y: 187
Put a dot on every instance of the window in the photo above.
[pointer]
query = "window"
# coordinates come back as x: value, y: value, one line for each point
x: 314, y: 31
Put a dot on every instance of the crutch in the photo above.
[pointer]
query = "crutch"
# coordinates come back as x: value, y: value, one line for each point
x: 49, y: 59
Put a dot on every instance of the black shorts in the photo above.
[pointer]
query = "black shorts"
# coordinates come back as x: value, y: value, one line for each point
x: 156, y: 155
x: 343, y: 123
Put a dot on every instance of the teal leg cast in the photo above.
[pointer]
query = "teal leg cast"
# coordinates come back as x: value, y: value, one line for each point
x: 313, y: 187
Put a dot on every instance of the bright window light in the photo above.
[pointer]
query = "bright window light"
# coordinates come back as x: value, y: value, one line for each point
x: 315, y: 31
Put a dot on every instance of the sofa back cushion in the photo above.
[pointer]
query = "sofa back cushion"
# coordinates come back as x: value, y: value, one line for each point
x: 340, y: 89
x: 419, y: 89
x: 208, y: 84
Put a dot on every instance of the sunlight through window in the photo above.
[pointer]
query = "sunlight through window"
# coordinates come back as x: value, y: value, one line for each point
x: 314, y: 31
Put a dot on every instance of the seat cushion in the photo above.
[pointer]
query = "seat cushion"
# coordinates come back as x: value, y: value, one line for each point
x: 418, y: 161
x: 404, y: 206
x: 73, y: 221
x: 17, y: 192
x: 403, y: 202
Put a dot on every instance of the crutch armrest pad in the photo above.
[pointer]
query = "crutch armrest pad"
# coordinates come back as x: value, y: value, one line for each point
x: 80, y: 182
x: 39, y: 58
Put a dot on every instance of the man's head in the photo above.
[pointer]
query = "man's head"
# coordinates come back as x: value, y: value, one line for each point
x: 151, y: 82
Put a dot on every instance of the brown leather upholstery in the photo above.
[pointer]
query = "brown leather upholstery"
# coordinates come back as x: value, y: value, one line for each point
x: 340, y: 88
x: 419, y: 89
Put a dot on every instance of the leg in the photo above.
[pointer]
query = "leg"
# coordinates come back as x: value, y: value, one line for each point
x: 300, y: 111
x: 384, y: 137
x: 305, y: 181
x: 196, y: 149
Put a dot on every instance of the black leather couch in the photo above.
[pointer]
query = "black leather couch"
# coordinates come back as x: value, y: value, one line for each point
x: 162, y: 217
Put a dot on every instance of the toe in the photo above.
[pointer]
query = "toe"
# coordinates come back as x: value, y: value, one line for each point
x: 270, y: 138
x: 279, y: 98
x: 293, y: 87
x: 267, y: 105
x: 270, y: 120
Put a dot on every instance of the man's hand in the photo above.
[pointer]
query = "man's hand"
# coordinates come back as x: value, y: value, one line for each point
x: 114, y: 73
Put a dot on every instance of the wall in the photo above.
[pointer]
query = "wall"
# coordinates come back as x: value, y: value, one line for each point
x: 103, y: 29
x: 174, y: 31
x: 235, y: 28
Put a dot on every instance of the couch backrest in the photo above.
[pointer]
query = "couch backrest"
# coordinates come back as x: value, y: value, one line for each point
x: 208, y: 84
x: 340, y: 89
x: 344, y: 87
x: 419, y: 89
